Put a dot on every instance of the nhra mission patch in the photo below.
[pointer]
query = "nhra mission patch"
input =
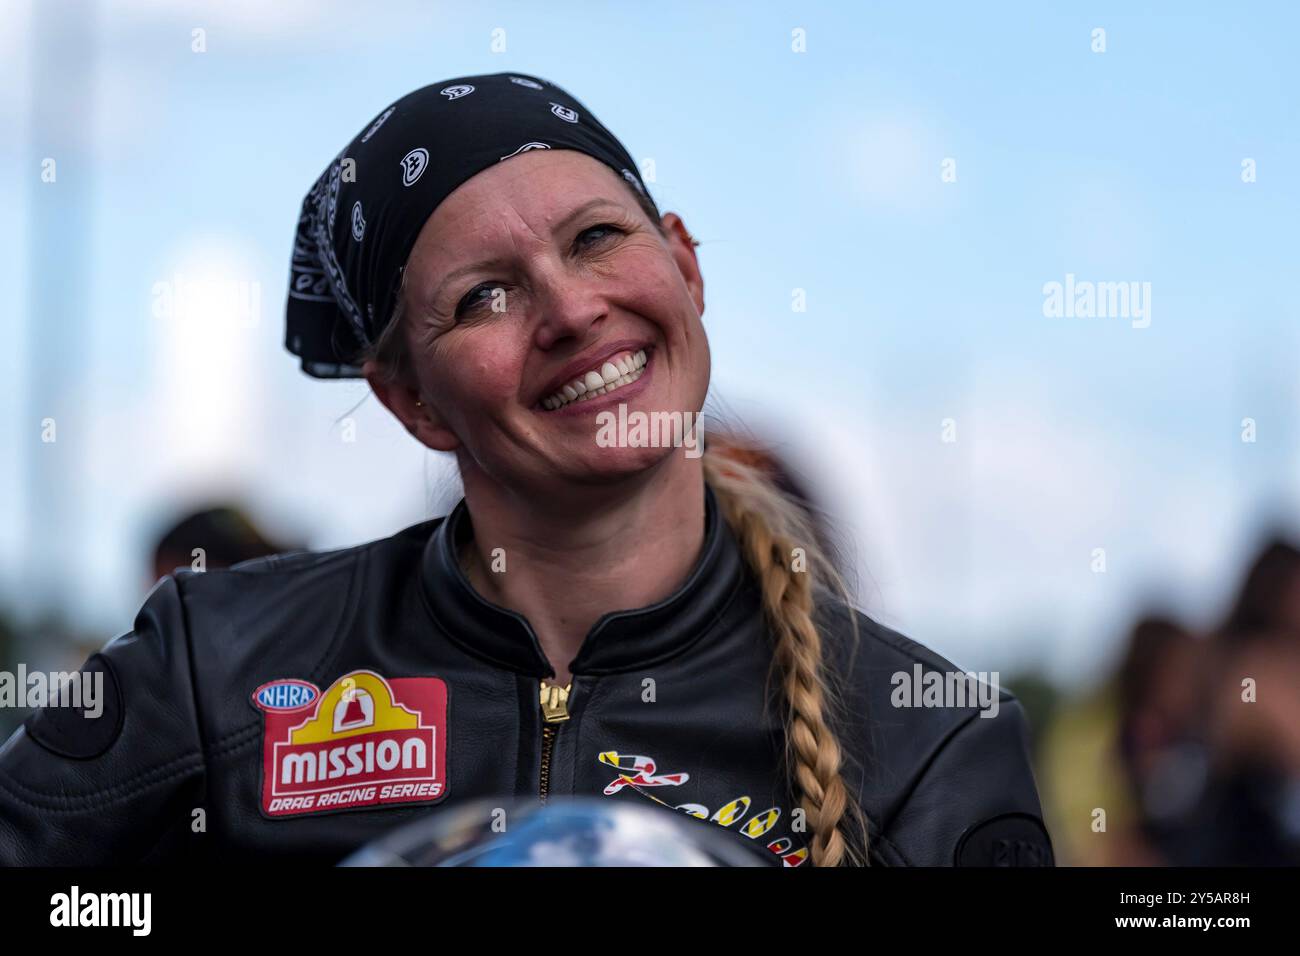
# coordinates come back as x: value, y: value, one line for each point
x: 365, y: 742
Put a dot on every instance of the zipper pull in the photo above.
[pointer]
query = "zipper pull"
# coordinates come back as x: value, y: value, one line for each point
x: 555, y: 702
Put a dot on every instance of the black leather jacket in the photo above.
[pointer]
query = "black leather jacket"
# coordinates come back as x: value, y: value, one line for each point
x: 299, y: 706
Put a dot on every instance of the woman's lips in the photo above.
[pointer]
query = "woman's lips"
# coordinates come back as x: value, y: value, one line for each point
x: 616, y: 374
x: 625, y: 387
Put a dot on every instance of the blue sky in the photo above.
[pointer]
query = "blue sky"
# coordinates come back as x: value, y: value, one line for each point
x: 818, y: 171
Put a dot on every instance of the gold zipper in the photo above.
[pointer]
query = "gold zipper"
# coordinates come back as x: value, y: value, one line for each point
x: 555, y: 711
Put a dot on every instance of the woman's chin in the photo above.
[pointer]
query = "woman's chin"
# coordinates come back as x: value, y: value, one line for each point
x: 601, y: 465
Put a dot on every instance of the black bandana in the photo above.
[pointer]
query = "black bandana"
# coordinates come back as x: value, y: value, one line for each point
x: 362, y: 216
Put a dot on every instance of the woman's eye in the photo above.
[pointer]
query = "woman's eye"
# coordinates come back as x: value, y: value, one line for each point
x: 473, y: 297
x: 481, y: 294
x: 595, y: 234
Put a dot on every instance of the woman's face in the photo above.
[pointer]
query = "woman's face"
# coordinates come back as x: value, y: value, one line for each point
x: 525, y: 281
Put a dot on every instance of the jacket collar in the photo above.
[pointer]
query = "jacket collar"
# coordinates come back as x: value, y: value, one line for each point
x: 619, y: 641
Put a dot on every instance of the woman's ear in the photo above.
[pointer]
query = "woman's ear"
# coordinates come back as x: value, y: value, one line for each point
x: 682, y: 246
x: 416, y: 415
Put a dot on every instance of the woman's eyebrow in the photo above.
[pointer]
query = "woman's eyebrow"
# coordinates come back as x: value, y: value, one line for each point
x: 584, y: 208
x: 568, y: 217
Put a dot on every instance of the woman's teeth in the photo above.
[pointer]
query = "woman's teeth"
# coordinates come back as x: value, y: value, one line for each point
x: 619, y: 371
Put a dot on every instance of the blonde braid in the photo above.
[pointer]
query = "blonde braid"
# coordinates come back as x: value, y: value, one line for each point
x: 769, y: 527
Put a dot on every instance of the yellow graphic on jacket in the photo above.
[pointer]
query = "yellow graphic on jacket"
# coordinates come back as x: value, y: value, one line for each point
x: 640, y: 773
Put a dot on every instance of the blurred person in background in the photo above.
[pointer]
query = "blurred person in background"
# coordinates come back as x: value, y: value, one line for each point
x: 1251, y: 806
x: 1192, y: 746
x: 1269, y: 597
x: 1161, y: 735
x: 219, y: 536
x: 1117, y: 757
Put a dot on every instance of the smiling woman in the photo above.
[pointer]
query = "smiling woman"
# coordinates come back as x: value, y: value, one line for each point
x: 618, y: 619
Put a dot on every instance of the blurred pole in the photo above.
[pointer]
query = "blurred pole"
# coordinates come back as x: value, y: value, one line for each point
x: 62, y: 118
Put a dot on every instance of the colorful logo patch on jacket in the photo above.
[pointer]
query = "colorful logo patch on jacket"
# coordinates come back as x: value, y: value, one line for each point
x: 367, y: 741
x: 639, y: 773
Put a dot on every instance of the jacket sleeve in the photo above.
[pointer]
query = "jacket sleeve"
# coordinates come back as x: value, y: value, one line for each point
x: 975, y: 802
x: 118, y: 782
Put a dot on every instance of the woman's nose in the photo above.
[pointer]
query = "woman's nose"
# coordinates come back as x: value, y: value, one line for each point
x: 567, y: 306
